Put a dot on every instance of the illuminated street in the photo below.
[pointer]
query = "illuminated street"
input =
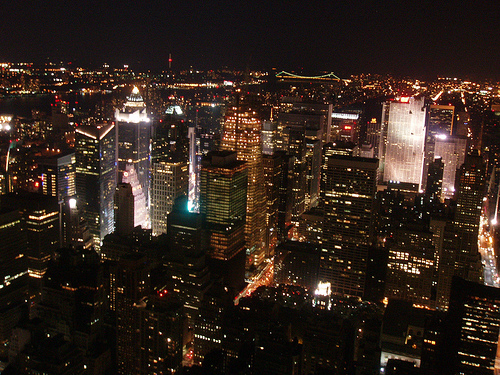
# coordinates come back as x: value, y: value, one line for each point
x: 265, y: 277
x: 485, y: 243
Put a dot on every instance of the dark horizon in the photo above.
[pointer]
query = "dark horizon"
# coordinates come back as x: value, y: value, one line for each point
x: 421, y: 39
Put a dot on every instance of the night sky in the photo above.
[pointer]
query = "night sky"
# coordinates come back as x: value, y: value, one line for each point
x: 417, y: 38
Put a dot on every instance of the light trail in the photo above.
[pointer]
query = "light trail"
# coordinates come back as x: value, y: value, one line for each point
x: 487, y: 251
x: 265, y: 277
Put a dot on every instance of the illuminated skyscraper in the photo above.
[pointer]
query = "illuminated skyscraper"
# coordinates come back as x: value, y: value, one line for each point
x: 472, y: 337
x: 140, y: 211
x: 96, y: 177
x: 410, y: 268
x: 223, y: 197
x: 439, y: 126
x: 452, y: 151
x: 169, y: 169
x: 242, y: 134
x: 402, y: 141
x: 348, y: 186
x: 133, y: 134
x: 460, y: 256
x: 57, y: 175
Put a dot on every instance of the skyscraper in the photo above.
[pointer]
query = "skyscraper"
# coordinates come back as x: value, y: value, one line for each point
x: 124, y: 209
x: 439, y: 126
x: 472, y: 337
x: 96, y: 177
x: 169, y: 169
x: 402, y: 141
x: 133, y: 133
x: 460, y: 256
x: 242, y: 134
x: 57, y: 175
x: 223, y: 197
x: 348, y: 186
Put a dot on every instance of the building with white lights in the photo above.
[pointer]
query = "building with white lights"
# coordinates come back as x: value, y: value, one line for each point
x: 402, y: 141
x: 133, y: 134
x: 95, y: 149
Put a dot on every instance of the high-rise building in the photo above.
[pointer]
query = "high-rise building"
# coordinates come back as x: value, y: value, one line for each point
x: 188, y: 268
x: 223, y: 198
x: 160, y: 326
x: 141, y: 213
x: 272, y: 178
x: 40, y: 220
x: 57, y: 175
x: 348, y: 187
x: 170, y: 171
x: 452, y: 151
x: 124, y: 209
x: 242, y: 135
x: 471, y: 344
x: 13, y: 274
x: 130, y: 284
x: 169, y: 181
x: 460, y: 256
x: 133, y: 134
x: 402, y: 141
x: 434, y: 184
x: 410, y: 269
x: 439, y: 126
x: 471, y: 190
x: 96, y: 178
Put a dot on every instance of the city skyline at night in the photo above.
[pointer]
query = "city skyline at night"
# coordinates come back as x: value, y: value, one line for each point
x: 284, y: 188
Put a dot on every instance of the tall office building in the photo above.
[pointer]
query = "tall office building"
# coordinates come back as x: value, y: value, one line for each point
x: 130, y: 284
x: 410, y: 269
x: 272, y: 178
x: 133, y: 134
x: 170, y: 172
x: 348, y: 186
x: 434, y: 180
x: 402, y: 141
x: 460, y: 256
x: 471, y: 190
x: 40, y: 220
x: 188, y: 242
x: 96, y: 177
x: 160, y: 326
x: 242, y: 134
x: 302, y: 130
x: 124, y: 209
x: 439, y: 126
x: 452, y: 151
x: 141, y: 213
x: 13, y: 274
x: 57, y: 175
x: 472, y: 337
x: 223, y: 199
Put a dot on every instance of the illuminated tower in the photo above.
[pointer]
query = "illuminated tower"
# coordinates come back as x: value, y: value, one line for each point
x: 96, y: 177
x: 402, y: 141
x: 223, y: 196
x: 134, y: 141
x: 169, y: 167
x: 242, y: 134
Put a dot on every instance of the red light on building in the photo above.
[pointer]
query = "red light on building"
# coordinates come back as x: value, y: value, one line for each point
x: 405, y: 99
x: 37, y: 184
x: 347, y: 127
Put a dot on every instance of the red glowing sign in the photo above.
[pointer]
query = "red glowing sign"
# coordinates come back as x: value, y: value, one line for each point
x: 347, y: 127
x: 405, y: 99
